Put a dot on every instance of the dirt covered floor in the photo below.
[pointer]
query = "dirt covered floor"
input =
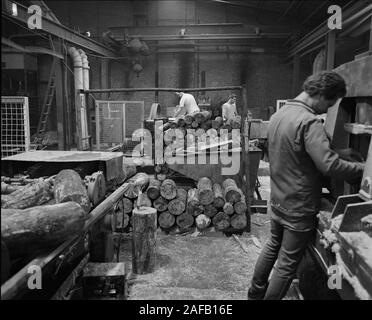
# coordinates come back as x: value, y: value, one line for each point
x: 208, y: 266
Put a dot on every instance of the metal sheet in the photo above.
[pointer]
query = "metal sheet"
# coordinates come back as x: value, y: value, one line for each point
x: 64, y: 156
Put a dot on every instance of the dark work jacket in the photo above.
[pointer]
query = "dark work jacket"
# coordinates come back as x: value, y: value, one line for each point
x: 299, y: 154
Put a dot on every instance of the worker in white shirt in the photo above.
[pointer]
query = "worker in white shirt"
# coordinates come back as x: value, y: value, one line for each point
x: 187, y: 104
x: 229, y: 108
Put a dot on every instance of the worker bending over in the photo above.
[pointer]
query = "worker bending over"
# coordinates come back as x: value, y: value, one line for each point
x: 229, y: 108
x: 187, y: 104
x: 299, y: 154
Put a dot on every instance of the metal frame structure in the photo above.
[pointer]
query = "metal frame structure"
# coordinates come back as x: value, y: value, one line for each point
x: 98, y: 105
x: 56, y: 29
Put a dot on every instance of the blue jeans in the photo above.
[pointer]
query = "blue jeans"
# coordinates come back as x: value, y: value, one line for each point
x: 286, y: 247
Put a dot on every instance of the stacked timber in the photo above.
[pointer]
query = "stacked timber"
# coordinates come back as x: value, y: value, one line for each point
x: 221, y: 206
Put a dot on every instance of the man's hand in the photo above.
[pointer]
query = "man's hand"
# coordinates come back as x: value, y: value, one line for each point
x: 350, y: 155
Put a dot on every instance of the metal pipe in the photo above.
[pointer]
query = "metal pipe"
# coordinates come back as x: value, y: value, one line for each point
x: 78, y: 68
x: 111, y: 90
x: 85, y: 67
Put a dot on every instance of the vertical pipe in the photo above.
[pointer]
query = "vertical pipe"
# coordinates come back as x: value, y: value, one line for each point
x: 246, y: 161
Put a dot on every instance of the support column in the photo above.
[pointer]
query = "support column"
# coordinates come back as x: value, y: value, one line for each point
x: 370, y: 36
x: 61, y: 132
x: 331, y: 49
x: 60, y: 103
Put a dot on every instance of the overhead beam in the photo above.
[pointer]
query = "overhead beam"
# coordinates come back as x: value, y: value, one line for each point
x: 111, y: 90
x: 171, y: 37
x: 28, y: 49
x: 119, y: 32
x: 351, y: 13
x: 58, y: 30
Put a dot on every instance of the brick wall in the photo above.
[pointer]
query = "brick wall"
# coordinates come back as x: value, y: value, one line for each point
x: 267, y: 76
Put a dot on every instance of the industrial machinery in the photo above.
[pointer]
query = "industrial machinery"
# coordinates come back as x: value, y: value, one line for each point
x: 339, y: 262
x: 62, y: 266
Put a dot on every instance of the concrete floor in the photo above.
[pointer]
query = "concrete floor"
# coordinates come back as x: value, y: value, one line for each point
x: 210, y: 266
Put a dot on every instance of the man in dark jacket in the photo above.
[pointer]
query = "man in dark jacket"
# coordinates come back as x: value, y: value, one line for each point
x: 299, y: 155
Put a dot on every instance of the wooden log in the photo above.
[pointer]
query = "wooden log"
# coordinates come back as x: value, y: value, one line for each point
x: 185, y: 220
x: 169, y: 135
x: 153, y: 190
x: 202, y: 116
x: 160, y: 204
x: 240, y: 207
x: 194, y: 125
x: 189, y: 118
x: 199, y: 117
x: 206, y: 125
x: 205, y: 191
x: 178, y: 205
x: 127, y: 205
x: 137, y: 183
x: 194, y: 207
x: 161, y: 177
x: 217, y: 123
x: 166, y: 126
x: 144, y: 222
x: 157, y: 168
x: 235, y: 122
x: 8, y: 188
x: 166, y: 220
x: 164, y: 169
x: 125, y: 221
x: 168, y: 189
x: 181, y: 121
x: 143, y: 200
x: 173, y: 124
x: 207, y: 115
x: 219, y: 200
x: 226, y: 126
x: 202, y: 221
x: 228, y: 208
x: 238, y: 221
x: 68, y: 186
x: 221, y: 220
x: 41, y: 227
x: 210, y: 210
x: 231, y: 191
x: 199, y: 132
x: 129, y: 170
x: 33, y: 194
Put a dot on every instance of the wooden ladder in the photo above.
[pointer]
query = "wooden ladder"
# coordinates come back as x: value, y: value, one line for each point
x: 48, y: 101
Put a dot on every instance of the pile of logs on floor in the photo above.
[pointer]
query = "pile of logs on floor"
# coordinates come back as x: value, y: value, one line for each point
x: 209, y: 204
x: 43, y: 212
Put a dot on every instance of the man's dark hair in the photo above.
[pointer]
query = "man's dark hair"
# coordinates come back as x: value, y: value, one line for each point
x: 330, y: 85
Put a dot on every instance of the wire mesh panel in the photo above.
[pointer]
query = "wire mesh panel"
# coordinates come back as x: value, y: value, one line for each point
x: 115, y: 121
x: 15, y: 126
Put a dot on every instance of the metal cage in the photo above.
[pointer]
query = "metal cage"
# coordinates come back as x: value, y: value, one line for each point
x: 15, y: 126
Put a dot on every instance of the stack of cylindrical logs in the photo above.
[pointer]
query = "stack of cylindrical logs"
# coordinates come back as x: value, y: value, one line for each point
x: 209, y: 204
x: 190, y: 130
